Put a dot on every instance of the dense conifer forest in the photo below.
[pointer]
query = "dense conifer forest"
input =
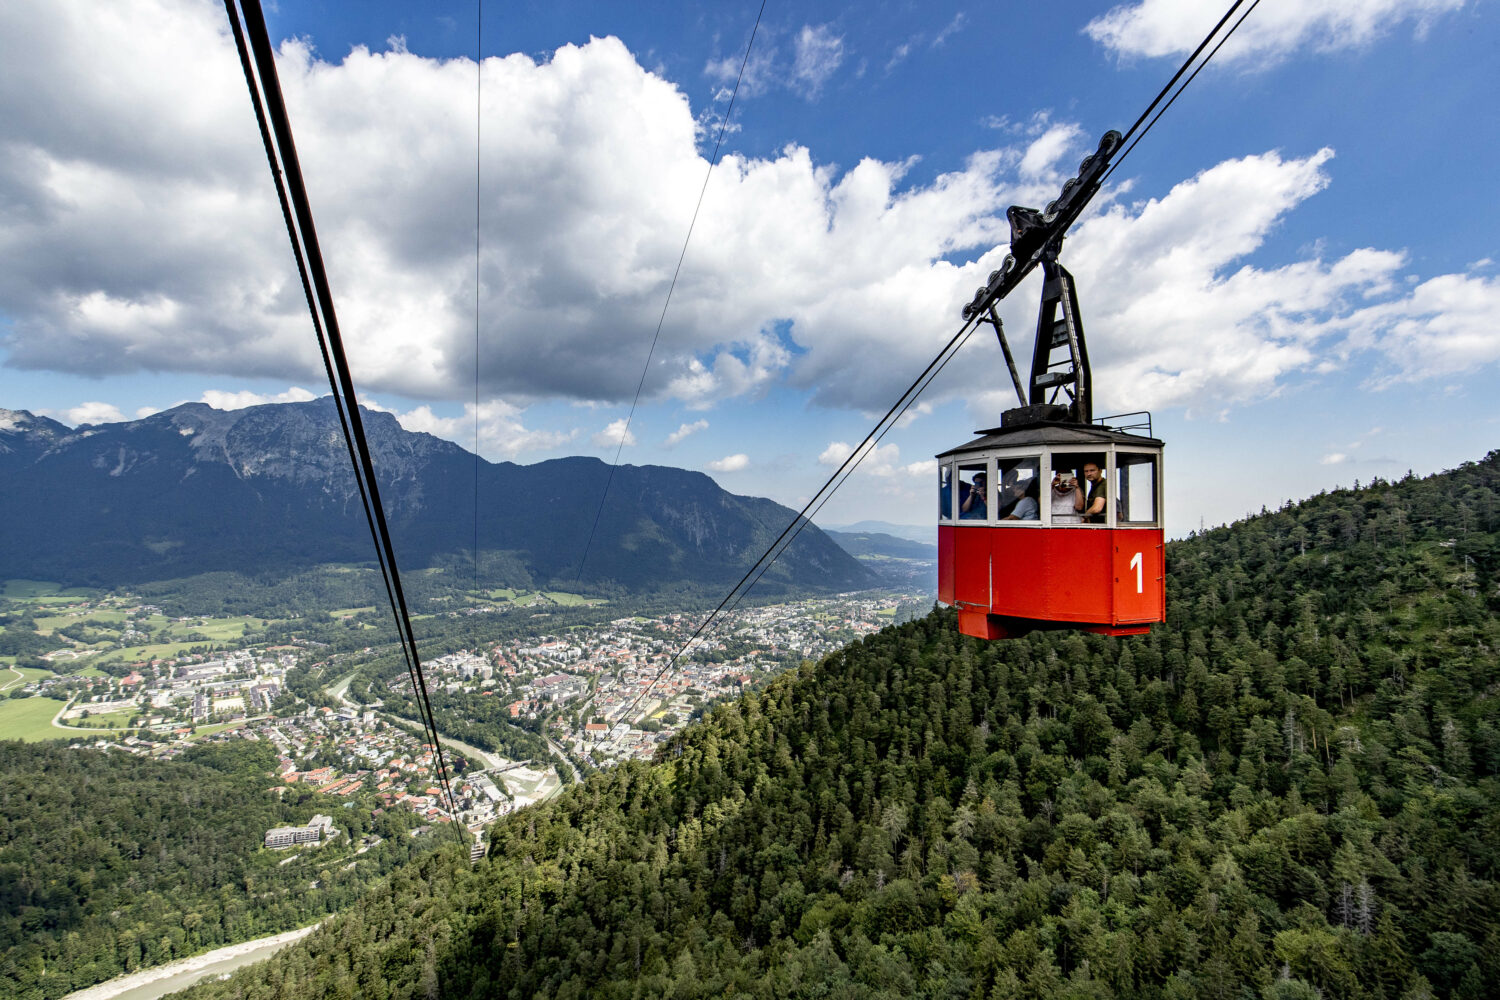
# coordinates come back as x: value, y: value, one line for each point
x: 109, y: 862
x: 1290, y: 790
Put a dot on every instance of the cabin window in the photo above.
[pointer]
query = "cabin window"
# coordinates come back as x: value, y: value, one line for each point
x: 1077, y: 499
x: 973, y: 497
x: 945, y: 492
x: 1137, y: 493
x: 1019, y: 490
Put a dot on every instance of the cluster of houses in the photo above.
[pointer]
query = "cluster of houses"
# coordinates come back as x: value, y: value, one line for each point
x: 171, y: 695
x: 598, y: 685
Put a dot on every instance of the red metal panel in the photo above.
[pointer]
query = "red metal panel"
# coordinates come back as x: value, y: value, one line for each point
x: 1111, y: 580
x: 945, y: 563
x: 1052, y: 574
x: 971, y: 565
x: 1139, y: 576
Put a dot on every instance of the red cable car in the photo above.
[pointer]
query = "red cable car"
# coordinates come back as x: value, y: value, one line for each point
x: 1052, y: 520
x: 1022, y: 556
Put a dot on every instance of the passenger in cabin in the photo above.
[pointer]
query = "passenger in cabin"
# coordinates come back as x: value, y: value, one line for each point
x: 1066, y: 495
x: 1006, y: 495
x: 1091, y: 499
x: 1026, y: 507
x: 972, y: 507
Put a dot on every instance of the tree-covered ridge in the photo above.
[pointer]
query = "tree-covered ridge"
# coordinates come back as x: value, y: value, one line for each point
x: 1292, y: 787
x: 110, y: 862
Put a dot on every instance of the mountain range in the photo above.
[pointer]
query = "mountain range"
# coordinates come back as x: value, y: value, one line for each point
x: 268, y: 488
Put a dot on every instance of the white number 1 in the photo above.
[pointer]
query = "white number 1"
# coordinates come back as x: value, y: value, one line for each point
x: 1135, y: 564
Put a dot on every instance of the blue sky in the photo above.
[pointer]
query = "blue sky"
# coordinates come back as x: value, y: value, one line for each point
x: 1295, y: 271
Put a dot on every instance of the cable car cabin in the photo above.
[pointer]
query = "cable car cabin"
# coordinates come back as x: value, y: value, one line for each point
x: 1021, y: 547
x: 1051, y: 520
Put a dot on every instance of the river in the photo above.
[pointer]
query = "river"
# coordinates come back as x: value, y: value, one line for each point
x: 158, y: 981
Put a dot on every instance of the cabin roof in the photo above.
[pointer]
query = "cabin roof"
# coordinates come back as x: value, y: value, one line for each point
x: 1051, y: 434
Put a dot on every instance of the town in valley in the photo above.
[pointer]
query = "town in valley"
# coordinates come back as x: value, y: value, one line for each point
x: 119, y: 673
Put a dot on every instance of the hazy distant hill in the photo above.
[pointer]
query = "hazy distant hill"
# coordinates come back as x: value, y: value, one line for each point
x: 194, y: 489
x: 1291, y: 790
x: 912, y: 532
x: 876, y: 543
x: 901, y: 562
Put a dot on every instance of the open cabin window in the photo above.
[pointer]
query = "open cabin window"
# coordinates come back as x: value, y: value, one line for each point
x: 1020, y: 490
x: 945, y: 491
x: 973, y: 499
x: 1080, y: 502
x: 1137, y: 477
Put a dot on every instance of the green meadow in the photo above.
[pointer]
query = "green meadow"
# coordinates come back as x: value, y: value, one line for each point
x: 30, y: 719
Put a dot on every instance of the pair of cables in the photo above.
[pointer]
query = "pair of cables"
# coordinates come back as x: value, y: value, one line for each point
x: 258, y: 61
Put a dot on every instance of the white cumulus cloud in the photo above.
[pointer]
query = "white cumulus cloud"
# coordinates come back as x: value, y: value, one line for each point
x: 89, y: 413
x: 730, y: 463
x: 1446, y: 325
x: 881, y: 473
x: 1042, y: 156
x: 1154, y: 28
x: 882, y: 461
x: 684, y: 432
x: 502, y: 434
x: 616, y: 434
x: 222, y: 400
x: 121, y: 254
x: 1188, y: 323
x: 819, y: 53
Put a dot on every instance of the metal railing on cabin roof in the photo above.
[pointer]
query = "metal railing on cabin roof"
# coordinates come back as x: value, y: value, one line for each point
x: 1105, y: 422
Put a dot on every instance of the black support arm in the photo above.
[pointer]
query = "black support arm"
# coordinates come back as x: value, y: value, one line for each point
x: 1034, y: 235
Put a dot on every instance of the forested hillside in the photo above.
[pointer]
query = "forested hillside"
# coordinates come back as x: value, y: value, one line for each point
x: 109, y: 863
x: 1291, y: 789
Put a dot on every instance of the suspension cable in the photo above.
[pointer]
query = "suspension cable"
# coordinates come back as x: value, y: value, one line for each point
x: 266, y: 96
x: 478, y: 160
x: 1198, y: 69
x: 307, y: 290
x: 713, y: 160
x: 1182, y: 69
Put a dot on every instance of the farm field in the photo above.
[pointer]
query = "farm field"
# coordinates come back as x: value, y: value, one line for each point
x: 571, y: 600
x: 12, y: 676
x: 30, y: 719
x: 103, y: 720
x: 41, y: 591
x: 56, y: 621
x: 159, y: 650
x: 218, y: 728
x: 218, y: 629
x: 526, y: 597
